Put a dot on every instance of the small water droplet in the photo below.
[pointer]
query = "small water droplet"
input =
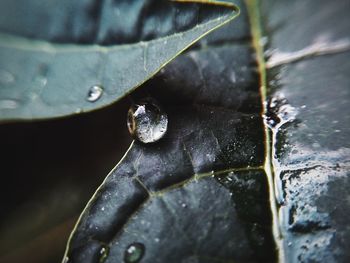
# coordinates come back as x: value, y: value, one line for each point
x: 279, y: 111
x: 104, y: 251
x: 65, y: 260
x: 147, y: 122
x: 134, y: 253
x: 95, y: 92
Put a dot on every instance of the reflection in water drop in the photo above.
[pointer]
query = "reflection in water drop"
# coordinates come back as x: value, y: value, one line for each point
x: 95, y: 92
x: 147, y: 122
x: 134, y: 253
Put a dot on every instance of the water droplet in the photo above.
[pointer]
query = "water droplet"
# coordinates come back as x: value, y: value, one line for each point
x: 147, y: 122
x: 279, y: 111
x: 65, y: 260
x: 104, y: 254
x: 134, y: 253
x: 95, y: 92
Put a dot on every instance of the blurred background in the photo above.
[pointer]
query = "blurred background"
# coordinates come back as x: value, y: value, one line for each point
x: 49, y: 170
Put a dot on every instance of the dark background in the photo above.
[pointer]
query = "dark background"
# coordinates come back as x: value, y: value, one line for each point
x: 49, y: 170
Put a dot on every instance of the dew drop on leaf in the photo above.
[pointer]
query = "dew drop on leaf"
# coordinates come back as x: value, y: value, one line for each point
x: 103, y: 254
x: 95, y: 92
x: 147, y: 121
x: 134, y: 253
x: 279, y: 111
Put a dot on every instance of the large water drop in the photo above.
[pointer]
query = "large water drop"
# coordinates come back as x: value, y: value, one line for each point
x: 147, y: 121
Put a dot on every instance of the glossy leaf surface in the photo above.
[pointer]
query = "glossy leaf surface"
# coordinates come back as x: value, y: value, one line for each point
x: 168, y: 196
x: 222, y: 89
x: 308, y: 82
x: 254, y: 166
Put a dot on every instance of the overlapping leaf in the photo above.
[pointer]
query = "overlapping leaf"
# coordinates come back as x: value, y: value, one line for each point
x: 50, y: 73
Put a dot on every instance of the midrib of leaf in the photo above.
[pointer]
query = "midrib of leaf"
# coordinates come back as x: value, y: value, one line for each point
x: 255, y: 24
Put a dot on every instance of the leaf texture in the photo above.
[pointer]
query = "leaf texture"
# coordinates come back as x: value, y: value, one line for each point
x: 49, y: 75
x: 308, y: 96
x: 255, y: 164
x: 179, y: 197
x: 221, y: 147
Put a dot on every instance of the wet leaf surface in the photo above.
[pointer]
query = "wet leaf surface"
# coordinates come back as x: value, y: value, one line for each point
x: 166, y: 195
x: 306, y: 163
x: 311, y: 142
x: 205, y: 191
x: 59, y: 76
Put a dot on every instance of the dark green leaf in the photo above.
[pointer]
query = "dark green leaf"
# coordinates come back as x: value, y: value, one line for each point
x: 164, y: 195
x: 222, y: 185
x: 41, y: 79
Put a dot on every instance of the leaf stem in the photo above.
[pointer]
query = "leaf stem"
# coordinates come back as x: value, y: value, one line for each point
x: 255, y: 23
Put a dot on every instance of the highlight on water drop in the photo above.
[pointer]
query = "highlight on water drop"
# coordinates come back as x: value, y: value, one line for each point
x: 134, y: 253
x: 94, y: 93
